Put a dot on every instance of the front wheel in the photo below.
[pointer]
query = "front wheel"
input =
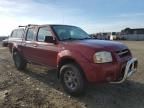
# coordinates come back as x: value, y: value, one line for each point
x: 72, y: 79
x: 19, y: 61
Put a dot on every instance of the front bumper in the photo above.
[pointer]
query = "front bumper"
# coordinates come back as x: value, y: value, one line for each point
x: 130, y: 68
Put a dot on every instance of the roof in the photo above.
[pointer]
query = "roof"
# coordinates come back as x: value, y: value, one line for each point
x: 45, y: 25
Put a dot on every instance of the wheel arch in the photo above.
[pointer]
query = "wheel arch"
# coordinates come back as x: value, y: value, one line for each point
x: 15, y: 48
x: 66, y: 60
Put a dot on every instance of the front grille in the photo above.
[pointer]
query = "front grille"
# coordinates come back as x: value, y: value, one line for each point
x: 123, y: 53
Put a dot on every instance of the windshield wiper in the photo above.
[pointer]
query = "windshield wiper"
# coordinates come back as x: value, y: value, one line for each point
x: 76, y: 38
x: 69, y: 39
x: 85, y: 38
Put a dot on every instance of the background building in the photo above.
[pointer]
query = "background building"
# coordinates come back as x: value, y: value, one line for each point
x: 133, y: 34
x: 3, y: 37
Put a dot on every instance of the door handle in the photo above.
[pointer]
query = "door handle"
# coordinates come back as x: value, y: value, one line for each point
x: 35, y: 45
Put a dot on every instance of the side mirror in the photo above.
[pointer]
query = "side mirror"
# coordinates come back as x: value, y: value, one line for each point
x: 49, y: 39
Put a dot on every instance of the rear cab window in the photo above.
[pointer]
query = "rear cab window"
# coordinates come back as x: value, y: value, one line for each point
x: 14, y: 33
x: 17, y: 33
x: 20, y: 33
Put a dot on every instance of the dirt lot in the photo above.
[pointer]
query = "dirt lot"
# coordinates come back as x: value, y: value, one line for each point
x: 38, y: 87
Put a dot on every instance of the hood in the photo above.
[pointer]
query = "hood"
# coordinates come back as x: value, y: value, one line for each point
x: 100, y: 44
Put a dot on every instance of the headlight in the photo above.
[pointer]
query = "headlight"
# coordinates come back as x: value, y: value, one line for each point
x: 102, y: 57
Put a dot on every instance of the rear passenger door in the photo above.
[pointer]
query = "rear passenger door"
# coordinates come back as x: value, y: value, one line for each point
x: 29, y: 44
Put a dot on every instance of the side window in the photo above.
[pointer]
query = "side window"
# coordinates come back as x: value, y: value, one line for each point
x: 20, y: 33
x: 14, y: 33
x: 30, y: 34
x: 43, y: 31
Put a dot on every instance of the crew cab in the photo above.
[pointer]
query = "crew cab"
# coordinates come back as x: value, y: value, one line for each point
x: 78, y: 58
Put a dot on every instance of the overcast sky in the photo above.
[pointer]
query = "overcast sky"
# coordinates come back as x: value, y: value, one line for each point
x: 91, y: 15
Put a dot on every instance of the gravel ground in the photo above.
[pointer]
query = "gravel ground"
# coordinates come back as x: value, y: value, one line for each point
x: 38, y: 87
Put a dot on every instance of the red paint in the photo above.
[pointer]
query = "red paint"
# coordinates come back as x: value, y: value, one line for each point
x: 82, y: 51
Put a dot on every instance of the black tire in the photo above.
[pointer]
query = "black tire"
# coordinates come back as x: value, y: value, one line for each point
x: 72, y: 79
x: 19, y: 61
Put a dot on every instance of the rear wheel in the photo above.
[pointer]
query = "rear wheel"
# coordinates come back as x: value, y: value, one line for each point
x: 19, y: 61
x: 72, y: 79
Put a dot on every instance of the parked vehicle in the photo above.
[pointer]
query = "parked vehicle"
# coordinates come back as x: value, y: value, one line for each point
x: 78, y: 58
x: 5, y: 42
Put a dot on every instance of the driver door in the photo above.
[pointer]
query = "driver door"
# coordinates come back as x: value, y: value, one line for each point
x: 46, y: 53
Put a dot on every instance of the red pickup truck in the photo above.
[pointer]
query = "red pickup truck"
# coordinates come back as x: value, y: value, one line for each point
x: 77, y: 57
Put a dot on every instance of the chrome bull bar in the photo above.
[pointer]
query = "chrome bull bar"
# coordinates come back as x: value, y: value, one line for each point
x: 131, y: 67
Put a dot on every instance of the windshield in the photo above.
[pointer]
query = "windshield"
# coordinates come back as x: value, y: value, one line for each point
x: 70, y: 32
